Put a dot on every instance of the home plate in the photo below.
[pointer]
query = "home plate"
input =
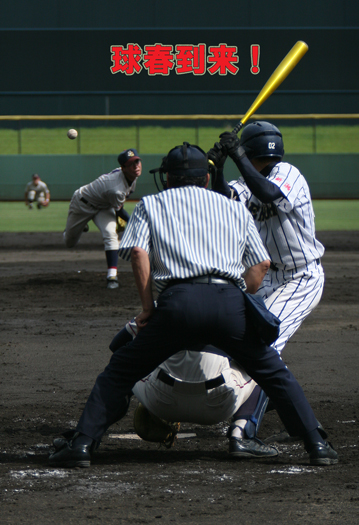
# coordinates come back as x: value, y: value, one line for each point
x: 135, y: 436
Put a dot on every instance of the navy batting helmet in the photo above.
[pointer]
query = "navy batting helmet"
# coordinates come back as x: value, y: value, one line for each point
x: 262, y: 139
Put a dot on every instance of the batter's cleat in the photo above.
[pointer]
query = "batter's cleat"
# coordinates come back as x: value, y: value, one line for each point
x: 250, y: 448
x: 323, y: 455
x: 112, y: 283
x: 86, y: 228
x: 71, y: 455
x: 39, y: 207
x: 30, y: 206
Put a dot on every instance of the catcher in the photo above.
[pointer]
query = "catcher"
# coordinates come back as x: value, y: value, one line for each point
x: 204, y: 387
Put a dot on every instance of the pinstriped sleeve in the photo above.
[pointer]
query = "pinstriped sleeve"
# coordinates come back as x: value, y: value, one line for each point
x: 137, y: 233
x: 254, y: 252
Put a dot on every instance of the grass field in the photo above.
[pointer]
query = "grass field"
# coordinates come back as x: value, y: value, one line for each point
x: 16, y: 217
x: 159, y: 139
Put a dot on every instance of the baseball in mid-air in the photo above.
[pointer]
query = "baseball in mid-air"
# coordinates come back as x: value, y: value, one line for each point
x: 72, y: 133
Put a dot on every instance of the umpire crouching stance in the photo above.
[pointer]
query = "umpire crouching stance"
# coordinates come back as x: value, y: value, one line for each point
x: 196, y: 244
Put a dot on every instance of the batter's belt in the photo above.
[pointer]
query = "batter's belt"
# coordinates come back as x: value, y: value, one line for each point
x: 274, y: 268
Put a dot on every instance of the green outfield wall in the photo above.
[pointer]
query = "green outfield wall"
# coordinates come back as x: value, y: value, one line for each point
x: 330, y: 176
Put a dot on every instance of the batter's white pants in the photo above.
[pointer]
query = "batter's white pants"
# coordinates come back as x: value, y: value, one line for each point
x: 81, y: 213
x: 191, y: 402
x: 291, y: 296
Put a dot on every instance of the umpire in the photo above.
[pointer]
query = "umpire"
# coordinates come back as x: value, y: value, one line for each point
x: 196, y: 245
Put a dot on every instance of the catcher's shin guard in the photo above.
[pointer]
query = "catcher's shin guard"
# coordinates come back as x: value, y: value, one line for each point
x: 254, y: 420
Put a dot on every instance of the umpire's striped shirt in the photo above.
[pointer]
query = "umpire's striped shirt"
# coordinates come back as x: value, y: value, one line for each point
x: 189, y: 232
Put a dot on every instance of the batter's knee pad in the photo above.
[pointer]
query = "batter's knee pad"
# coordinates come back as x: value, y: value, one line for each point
x: 254, y: 420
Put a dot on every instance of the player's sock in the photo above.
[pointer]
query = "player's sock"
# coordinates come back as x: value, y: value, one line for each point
x: 238, y: 428
x: 112, y: 260
x: 111, y: 272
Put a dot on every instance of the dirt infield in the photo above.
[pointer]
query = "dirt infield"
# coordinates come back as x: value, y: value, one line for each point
x: 57, y: 319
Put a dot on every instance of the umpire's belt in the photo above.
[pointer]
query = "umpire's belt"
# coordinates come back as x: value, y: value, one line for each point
x: 201, y: 279
x: 171, y: 381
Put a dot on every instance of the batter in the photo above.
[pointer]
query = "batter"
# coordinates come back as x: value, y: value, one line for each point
x: 278, y: 197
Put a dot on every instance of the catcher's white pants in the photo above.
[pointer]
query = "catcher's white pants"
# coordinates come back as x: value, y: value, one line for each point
x: 190, y: 402
x: 81, y: 213
x: 291, y: 296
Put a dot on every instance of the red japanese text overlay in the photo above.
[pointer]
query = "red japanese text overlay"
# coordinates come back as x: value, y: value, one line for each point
x: 161, y: 59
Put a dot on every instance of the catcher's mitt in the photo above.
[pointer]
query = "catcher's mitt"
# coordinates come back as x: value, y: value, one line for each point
x: 152, y: 428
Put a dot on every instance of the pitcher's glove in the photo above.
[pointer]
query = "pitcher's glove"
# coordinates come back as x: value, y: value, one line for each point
x: 217, y: 155
x: 231, y: 144
x: 154, y: 429
x: 121, y: 224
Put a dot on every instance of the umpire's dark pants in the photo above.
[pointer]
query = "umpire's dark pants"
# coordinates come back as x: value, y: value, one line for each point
x: 188, y: 314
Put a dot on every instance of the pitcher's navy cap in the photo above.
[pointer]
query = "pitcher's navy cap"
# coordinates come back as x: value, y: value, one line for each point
x: 127, y: 156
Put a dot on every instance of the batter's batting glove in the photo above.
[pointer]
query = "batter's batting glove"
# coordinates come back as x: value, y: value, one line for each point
x: 230, y: 142
x: 217, y: 155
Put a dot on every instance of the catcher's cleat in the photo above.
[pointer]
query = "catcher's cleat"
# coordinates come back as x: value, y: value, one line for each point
x: 30, y: 206
x: 250, y: 448
x: 112, y: 283
x: 323, y: 455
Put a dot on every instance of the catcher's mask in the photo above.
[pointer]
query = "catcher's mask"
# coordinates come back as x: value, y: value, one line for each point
x: 182, y: 160
x: 152, y: 428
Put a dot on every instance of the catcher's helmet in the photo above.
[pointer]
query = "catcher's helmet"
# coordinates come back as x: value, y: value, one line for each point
x: 262, y: 139
x: 151, y: 428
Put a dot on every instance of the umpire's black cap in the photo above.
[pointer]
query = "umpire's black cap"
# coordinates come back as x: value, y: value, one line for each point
x: 186, y: 160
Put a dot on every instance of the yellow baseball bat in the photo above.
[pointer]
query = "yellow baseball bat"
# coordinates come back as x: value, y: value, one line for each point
x: 281, y: 72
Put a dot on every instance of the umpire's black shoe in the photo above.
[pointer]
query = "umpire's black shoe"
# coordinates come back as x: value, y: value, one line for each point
x: 323, y: 454
x: 71, y: 455
x: 250, y: 448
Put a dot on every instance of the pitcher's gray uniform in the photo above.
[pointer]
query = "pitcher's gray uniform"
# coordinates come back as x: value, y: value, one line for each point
x: 102, y: 201
x: 293, y: 286
x: 98, y: 201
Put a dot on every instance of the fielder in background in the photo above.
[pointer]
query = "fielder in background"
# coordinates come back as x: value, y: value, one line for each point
x: 195, y: 245
x: 102, y: 202
x: 278, y: 198
x: 204, y: 387
x: 37, y: 191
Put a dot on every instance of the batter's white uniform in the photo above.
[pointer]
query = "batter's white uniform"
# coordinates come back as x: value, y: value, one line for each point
x: 98, y: 201
x: 294, y: 285
x: 194, y: 387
